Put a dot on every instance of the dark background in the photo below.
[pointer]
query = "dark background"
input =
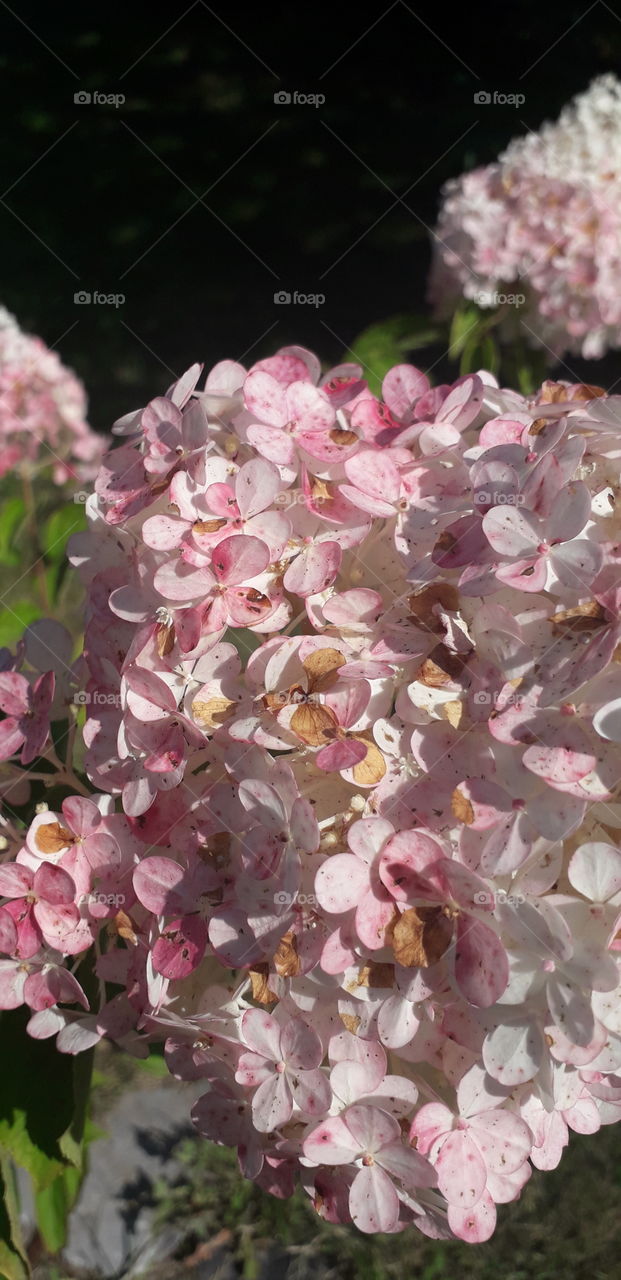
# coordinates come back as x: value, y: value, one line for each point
x: 199, y: 197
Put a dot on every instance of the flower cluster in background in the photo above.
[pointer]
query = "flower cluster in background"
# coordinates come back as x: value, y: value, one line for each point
x: 348, y: 844
x: 543, y: 224
x: 42, y: 410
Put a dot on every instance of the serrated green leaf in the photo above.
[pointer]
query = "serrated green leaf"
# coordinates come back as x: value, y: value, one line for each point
x: 245, y: 641
x: 382, y: 345
x: 58, y: 528
x: 480, y: 352
x: 13, y: 514
x: 465, y: 323
x: 53, y: 1206
x: 13, y: 621
x: 42, y: 1101
x: 13, y: 1259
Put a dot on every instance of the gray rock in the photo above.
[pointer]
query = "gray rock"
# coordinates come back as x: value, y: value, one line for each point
x: 111, y: 1230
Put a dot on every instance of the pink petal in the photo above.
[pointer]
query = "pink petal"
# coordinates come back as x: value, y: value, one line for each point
x: 474, y: 1225
x: 272, y: 1104
x: 311, y: 1092
x: 461, y: 1170
x: 371, y: 1128
x: 238, y: 558
x: 512, y: 1052
x: 300, y: 1045
x: 564, y: 755
x: 481, y: 964
x: 155, y: 882
x: 403, y: 385
x: 330, y: 1143
x: 15, y: 880
x: 257, y: 484
x: 407, y: 1165
x: 503, y: 1139
x: 373, y: 1201
x: 265, y: 399
x: 313, y: 569
x: 180, y: 947
x: 262, y: 1033
x: 8, y: 932
x: 340, y: 882
x: 11, y: 738
x: 14, y: 693
x: 12, y: 980
x: 595, y: 871
x: 512, y: 532
x: 344, y: 753
x: 308, y: 408
x: 53, y: 884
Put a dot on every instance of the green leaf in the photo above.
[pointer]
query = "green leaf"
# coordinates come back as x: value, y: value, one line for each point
x: 43, y: 1097
x: 464, y: 326
x: 53, y: 1205
x: 13, y: 1259
x: 480, y: 352
x: 382, y: 345
x: 58, y: 528
x: 245, y: 641
x: 13, y: 621
x: 13, y: 514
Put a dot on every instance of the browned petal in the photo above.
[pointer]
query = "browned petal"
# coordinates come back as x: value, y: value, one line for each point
x: 213, y: 712
x: 445, y: 542
x: 461, y: 807
x: 453, y: 712
x: 372, y: 768
x: 423, y: 603
x: 314, y: 724
x: 339, y: 436
x: 583, y: 617
x: 286, y: 958
x: 50, y: 838
x: 165, y: 639
x: 374, y: 974
x: 321, y: 668
x: 421, y: 936
x: 441, y: 668
x: 259, y: 979
x: 587, y: 391
x: 320, y: 490
x: 351, y: 1022
x: 208, y: 526
x: 123, y: 925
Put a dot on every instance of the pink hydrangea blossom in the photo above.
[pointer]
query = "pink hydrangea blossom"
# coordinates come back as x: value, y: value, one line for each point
x: 42, y: 410
x: 348, y: 795
x: 536, y: 233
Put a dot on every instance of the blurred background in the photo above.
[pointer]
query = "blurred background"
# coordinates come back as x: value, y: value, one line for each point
x: 188, y: 195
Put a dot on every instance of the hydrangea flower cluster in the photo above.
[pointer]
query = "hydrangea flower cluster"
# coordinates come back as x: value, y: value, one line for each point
x: 543, y: 221
x: 348, y: 844
x: 42, y: 410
